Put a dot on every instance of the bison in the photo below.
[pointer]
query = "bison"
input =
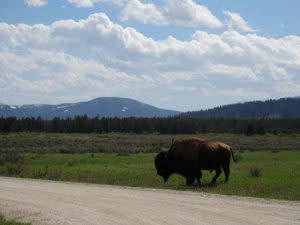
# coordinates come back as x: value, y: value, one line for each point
x: 188, y: 157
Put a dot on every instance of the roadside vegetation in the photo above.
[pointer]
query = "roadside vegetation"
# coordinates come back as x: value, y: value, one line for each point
x: 258, y: 173
x: 269, y: 165
x: 3, y: 221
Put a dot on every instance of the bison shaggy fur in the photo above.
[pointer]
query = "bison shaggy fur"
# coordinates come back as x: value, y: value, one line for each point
x: 188, y: 157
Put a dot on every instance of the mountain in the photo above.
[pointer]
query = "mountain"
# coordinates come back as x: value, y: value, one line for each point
x: 102, y: 107
x: 280, y: 108
x: 124, y: 107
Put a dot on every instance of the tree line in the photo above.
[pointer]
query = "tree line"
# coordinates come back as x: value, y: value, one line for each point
x: 170, y: 125
x: 280, y: 108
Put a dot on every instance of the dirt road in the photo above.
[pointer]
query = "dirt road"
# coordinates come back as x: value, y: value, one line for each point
x: 48, y: 202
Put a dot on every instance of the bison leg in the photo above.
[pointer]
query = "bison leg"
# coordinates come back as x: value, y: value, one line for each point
x: 190, y: 180
x: 218, y: 172
x: 199, y: 177
x: 226, y: 170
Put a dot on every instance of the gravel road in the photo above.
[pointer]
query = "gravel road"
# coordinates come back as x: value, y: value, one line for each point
x: 49, y: 202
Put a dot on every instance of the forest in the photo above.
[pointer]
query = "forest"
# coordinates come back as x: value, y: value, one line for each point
x: 170, y: 125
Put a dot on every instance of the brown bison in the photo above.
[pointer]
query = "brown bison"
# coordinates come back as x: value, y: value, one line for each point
x: 188, y: 157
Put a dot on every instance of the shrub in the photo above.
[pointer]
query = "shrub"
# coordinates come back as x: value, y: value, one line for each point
x: 158, y: 149
x: 13, y: 162
x: 255, y: 171
x: 70, y: 163
x: 39, y: 172
x: 275, y: 151
x: 238, y: 157
x: 123, y: 154
x: 54, y: 173
x: 13, y: 169
x: 2, y: 161
x: 65, y: 151
x: 260, y: 130
x: 250, y: 130
x: 13, y: 157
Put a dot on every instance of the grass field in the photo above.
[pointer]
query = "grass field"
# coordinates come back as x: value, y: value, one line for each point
x: 280, y: 172
x: 127, y: 159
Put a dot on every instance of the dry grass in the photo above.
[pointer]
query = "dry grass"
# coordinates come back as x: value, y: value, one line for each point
x: 133, y: 143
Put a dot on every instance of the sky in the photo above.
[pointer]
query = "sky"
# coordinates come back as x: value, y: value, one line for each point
x: 176, y: 54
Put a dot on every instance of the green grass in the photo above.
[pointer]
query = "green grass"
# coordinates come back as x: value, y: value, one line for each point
x: 280, y: 172
x: 127, y: 159
x: 3, y: 221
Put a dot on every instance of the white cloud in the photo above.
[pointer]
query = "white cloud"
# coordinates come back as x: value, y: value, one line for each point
x: 105, y: 59
x: 172, y: 12
x: 235, y: 72
x: 236, y: 22
x: 45, y: 72
x: 145, y: 13
x: 36, y: 3
x: 91, y: 3
x: 278, y: 73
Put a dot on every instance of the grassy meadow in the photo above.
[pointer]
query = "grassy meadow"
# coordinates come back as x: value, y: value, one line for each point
x: 269, y: 167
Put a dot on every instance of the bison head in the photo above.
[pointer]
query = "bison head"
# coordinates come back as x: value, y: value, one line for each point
x: 162, y: 165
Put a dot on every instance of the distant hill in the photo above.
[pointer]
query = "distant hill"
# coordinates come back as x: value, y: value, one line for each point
x: 102, y: 107
x: 280, y: 108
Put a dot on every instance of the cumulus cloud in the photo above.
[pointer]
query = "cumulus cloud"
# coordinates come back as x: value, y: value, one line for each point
x: 236, y: 22
x: 172, y: 12
x: 48, y: 72
x: 104, y: 59
x: 91, y: 3
x: 36, y: 3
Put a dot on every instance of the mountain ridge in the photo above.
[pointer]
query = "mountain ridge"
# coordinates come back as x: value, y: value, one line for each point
x: 288, y: 107
x: 102, y: 107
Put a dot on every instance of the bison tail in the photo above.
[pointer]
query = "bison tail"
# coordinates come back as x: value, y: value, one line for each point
x: 233, y: 157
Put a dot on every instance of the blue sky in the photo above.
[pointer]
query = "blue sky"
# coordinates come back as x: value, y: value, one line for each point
x: 177, y: 54
x: 271, y: 18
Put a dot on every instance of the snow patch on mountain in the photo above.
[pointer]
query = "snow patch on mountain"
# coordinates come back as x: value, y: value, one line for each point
x: 61, y: 106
